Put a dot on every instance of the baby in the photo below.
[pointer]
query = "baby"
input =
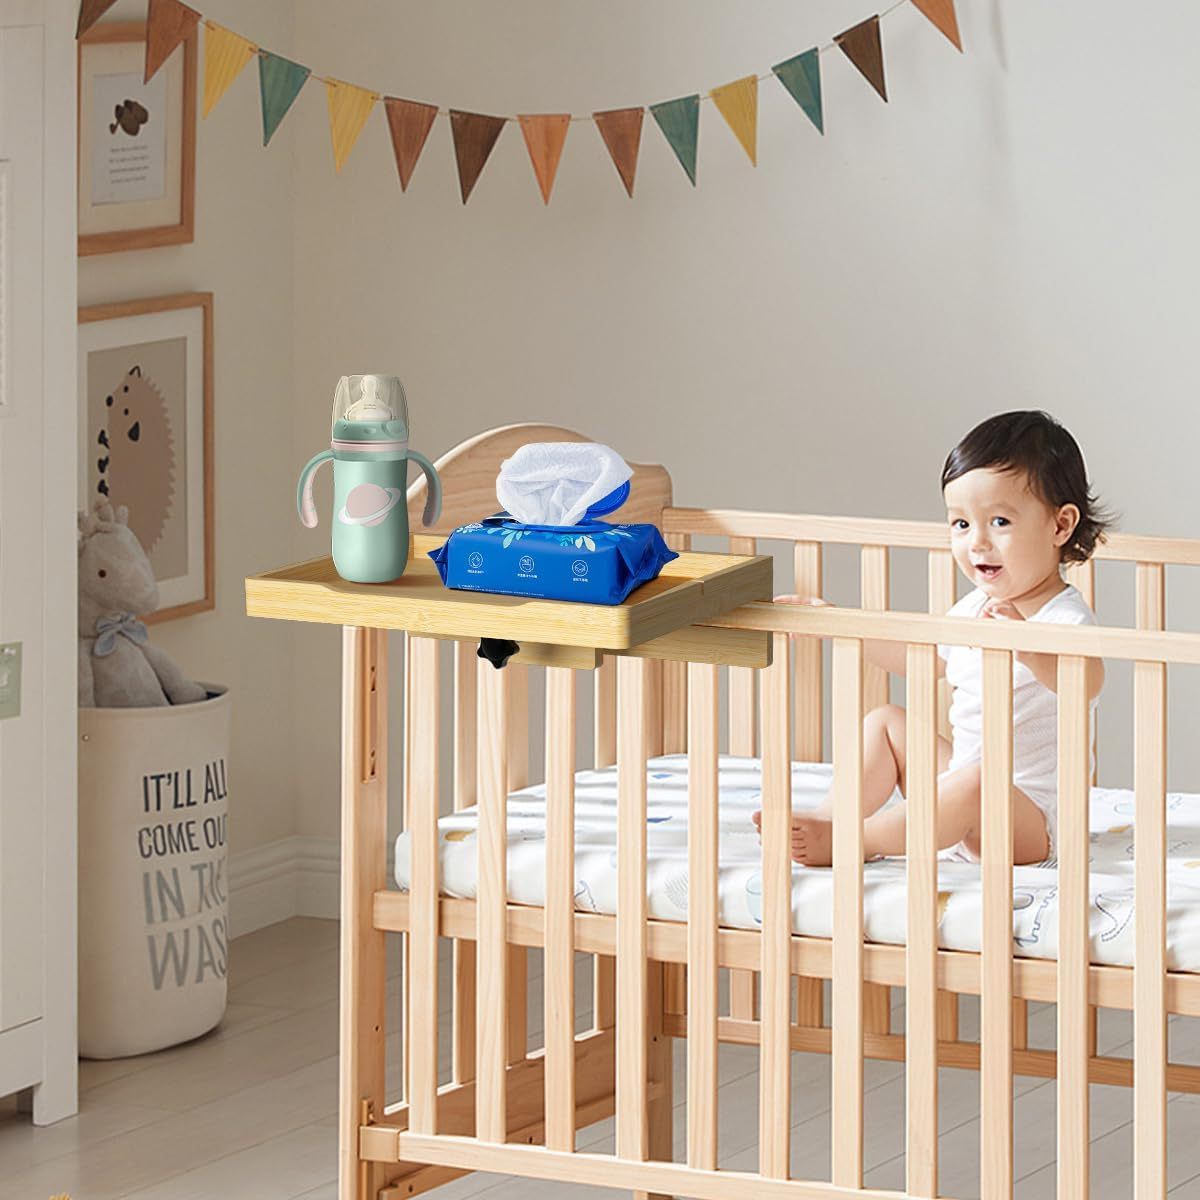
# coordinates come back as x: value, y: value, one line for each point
x: 1019, y: 507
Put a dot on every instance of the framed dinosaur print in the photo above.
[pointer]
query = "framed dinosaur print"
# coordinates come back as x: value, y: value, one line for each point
x: 145, y: 419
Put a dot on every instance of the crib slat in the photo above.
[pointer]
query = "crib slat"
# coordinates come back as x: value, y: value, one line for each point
x: 421, y: 755
x: 604, y: 743
x: 675, y: 674
x: 941, y: 600
x: 847, y: 1092
x: 631, y: 1057
x: 742, y: 731
x: 1074, y: 770
x: 1149, y: 849
x: 921, y: 1087
x: 875, y: 587
x: 809, y: 703
x: 466, y: 666
x: 491, y: 911
x: 996, y: 1018
x: 743, y: 740
x: 559, y: 972
x: 702, y: 917
x: 516, y: 700
x: 674, y: 701
x: 1150, y: 951
x: 363, y: 1006
x: 774, y: 1103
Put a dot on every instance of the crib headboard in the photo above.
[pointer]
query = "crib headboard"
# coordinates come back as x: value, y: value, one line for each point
x: 469, y: 478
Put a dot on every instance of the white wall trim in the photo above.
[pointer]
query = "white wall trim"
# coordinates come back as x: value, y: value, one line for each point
x: 293, y: 877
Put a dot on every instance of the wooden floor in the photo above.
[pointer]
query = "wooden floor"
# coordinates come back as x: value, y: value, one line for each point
x: 248, y: 1112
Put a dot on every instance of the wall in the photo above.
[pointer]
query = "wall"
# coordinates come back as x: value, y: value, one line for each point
x: 243, y: 254
x: 1013, y: 229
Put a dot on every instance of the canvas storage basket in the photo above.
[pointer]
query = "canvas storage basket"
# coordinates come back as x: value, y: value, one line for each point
x: 153, y: 894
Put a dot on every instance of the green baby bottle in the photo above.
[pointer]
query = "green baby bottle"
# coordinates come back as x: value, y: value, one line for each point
x: 370, y: 455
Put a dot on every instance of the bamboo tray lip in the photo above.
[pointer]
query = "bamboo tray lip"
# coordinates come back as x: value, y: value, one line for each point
x: 691, y: 588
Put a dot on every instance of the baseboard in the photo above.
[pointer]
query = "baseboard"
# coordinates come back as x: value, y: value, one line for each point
x: 295, y: 876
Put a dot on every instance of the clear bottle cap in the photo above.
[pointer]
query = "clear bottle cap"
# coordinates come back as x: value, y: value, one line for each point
x: 369, y: 398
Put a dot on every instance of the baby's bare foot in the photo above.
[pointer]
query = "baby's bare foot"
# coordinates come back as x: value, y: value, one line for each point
x: 812, y: 840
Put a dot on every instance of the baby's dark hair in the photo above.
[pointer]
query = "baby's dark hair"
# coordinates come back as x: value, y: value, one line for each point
x: 1035, y: 445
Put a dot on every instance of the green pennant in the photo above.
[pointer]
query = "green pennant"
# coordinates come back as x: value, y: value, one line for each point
x: 279, y: 82
x: 680, y: 122
x: 801, y: 76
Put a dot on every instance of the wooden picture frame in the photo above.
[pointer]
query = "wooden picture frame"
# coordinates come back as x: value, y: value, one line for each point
x: 159, y: 179
x: 154, y: 452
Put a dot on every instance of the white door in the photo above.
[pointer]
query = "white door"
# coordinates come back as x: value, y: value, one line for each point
x: 37, y: 856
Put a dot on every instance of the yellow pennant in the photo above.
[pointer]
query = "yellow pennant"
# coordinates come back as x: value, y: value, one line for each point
x: 225, y: 54
x: 349, y: 108
x: 738, y: 104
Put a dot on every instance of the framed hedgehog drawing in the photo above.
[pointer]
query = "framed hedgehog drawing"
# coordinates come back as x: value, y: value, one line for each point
x: 145, y: 401
x: 137, y: 142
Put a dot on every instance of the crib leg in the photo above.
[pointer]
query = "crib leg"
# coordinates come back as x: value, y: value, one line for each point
x: 877, y: 1008
x: 810, y: 1002
x: 364, y: 870
x: 659, y: 1072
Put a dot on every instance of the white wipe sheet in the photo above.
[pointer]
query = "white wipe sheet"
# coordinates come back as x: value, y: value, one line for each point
x: 1035, y: 889
x: 554, y: 483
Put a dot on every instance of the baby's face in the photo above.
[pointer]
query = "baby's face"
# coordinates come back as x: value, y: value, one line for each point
x: 1005, y: 539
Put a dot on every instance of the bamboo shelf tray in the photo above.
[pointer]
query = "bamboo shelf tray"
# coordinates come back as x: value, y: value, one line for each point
x: 657, y: 620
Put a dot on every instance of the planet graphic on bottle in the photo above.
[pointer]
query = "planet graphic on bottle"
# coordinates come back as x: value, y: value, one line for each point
x: 369, y: 504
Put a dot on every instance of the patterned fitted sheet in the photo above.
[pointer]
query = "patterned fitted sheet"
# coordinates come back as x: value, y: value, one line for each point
x: 1035, y: 888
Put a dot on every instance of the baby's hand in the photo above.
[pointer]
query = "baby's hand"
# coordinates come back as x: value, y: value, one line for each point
x: 1001, y: 610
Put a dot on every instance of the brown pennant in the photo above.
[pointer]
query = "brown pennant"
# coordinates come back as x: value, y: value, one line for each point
x: 167, y: 24
x: 861, y: 45
x: 474, y: 139
x: 410, y: 123
x: 90, y: 11
x: 621, y: 129
x: 942, y: 14
x: 544, y: 137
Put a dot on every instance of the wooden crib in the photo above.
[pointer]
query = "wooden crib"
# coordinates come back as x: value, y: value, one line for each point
x: 511, y: 1110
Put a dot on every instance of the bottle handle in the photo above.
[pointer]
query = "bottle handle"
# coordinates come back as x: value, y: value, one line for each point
x: 433, y: 490
x: 304, y: 490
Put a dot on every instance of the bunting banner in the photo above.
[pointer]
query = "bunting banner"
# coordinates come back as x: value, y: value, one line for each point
x: 349, y: 108
x: 621, y: 129
x: 474, y: 134
x: 409, y: 123
x: 737, y: 102
x: 680, y: 122
x: 279, y: 83
x: 544, y: 139
x: 801, y: 75
x: 167, y: 24
x: 225, y: 57
x: 863, y: 47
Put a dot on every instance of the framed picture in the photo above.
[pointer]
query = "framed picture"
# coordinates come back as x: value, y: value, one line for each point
x: 137, y: 142
x: 145, y: 412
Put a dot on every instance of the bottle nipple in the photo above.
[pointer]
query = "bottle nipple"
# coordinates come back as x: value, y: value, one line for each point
x: 369, y: 407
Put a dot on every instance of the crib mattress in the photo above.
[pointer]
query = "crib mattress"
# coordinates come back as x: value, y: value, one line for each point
x: 960, y: 898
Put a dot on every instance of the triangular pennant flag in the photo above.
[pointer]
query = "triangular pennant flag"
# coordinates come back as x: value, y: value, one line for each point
x: 90, y: 11
x: 349, y: 108
x: 680, y: 122
x: 544, y: 138
x: 942, y: 14
x: 801, y: 75
x: 737, y: 102
x: 621, y: 129
x: 167, y: 24
x: 225, y: 55
x: 474, y: 139
x: 279, y: 83
x: 861, y: 45
x: 410, y: 123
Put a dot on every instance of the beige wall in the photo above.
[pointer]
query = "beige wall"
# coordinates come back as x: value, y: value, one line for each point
x: 243, y: 254
x: 1015, y: 228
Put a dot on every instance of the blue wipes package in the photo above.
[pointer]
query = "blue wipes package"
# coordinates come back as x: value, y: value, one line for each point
x: 594, y: 562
